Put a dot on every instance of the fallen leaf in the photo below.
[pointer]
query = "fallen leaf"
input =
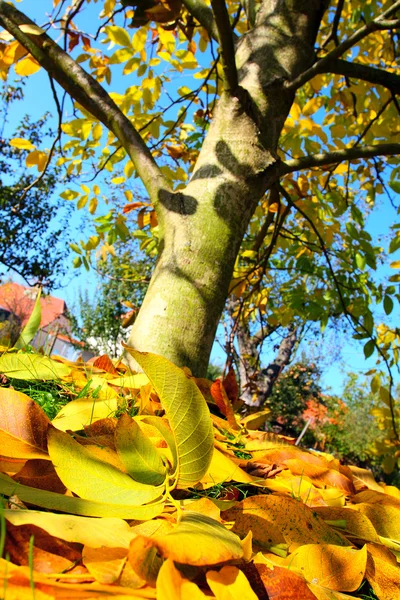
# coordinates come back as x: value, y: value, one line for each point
x: 92, y: 479
x: 230, y: 584
x: 172, y: 585
x: 104, y: 564
x: 274, y: 520
x: 334, y: 567
x: 23, y: 426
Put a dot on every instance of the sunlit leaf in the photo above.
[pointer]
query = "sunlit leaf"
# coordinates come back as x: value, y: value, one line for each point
x: 187, y: 413
x: 141, y: 459
x: 92, y: 479
x: 32, y: 366
x: 32, y: 326
x: 23, y: 426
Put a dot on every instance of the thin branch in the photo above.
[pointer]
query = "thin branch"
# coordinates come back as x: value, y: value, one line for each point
x: 329, y: 158
x: 72, y: 14
x: 204, y: 15
x: 227, y: 48
x: 321, y: 66
x: 355, y: 70
x: 83, y: 88
x: 350, y: 317
x: 52, y: 148
x: 335, y: 25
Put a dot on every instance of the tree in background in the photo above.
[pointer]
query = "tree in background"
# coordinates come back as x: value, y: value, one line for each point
x: 33, y: 228
x: 101, y: 322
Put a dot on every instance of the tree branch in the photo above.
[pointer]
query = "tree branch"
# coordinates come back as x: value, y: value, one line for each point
x: 355, y: 70
x: 204, y: 15
x: 320, y: 66
x: 83, y: 88
x: 227, y: 48
x: 329, y: 158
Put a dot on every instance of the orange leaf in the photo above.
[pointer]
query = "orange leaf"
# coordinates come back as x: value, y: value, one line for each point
x: 105, y: 363
x: 222, y: 401
x: 23, y: 426
x: 283, y: 584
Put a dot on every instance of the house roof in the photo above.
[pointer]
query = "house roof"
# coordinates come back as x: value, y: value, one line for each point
x: 20, y: 300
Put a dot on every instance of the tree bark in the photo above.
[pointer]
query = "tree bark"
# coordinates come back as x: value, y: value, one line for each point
x: 203, y: 227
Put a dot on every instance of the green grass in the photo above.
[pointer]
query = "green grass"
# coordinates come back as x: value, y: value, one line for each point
x: 50, y: 395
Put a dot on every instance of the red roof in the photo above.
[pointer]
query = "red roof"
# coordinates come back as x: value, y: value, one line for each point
x: 20, y: 300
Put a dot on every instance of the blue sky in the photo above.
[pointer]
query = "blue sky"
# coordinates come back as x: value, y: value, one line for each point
x: 352, y: 357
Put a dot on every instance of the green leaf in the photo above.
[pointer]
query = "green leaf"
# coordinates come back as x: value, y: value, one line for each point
x: 92, y: 479
x: 388, y: 304
x: 369, y: 348
x: 360, y: 261
x: 77, y: 506
x: 394, y: 244
x: 395, y: 185
x: 141, y: 459
x: 187, y: 413
x: 158, y: 423
x: 32, y: 326
x: 32, y: 366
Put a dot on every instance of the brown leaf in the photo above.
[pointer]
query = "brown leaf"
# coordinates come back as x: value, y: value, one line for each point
x: 50, y: 555
x: 282, y: 584
x: 40, y: 474
x: 105, y: 363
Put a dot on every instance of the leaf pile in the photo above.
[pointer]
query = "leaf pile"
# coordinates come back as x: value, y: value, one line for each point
x: 175, y: 502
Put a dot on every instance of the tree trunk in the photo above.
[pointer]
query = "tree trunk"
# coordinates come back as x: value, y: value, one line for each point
x: 201, y: 229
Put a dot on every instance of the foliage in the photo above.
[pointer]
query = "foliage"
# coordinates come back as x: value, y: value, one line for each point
x: 293, y: 393
x: 273, y: 522
x: 33, y: 229
x: 102, y: 320
x: 306, y: 252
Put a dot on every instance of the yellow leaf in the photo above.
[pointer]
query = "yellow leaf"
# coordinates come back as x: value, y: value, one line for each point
x: 97, y: 131
x: 295, y: 111
x: 118, y: 35
x: 221, y: 469
x: 94, y: 480
x: 27, y: 66
x: 172, y: 584
x: 38, y: 158
x: 230, y: 584
x: 341, y: 169
x: 22, y: 144
x: 104, y: 564
x: 198, y: 540
x: 113, y: 533
x: 334, y: 567
x: 395, y: 264
x: 187, y: 413
x: 31, y: 28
